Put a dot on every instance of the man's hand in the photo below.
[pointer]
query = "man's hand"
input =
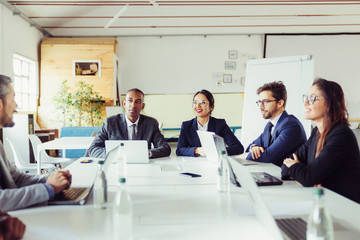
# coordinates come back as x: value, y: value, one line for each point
x: 200, y: 151
x: 11, y: 227
x: 289, y: 162
x: 59, y: 180
x: 256, y: 151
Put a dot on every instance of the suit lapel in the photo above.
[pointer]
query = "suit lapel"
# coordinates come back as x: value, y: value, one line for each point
x: 140, y: 127
x: 279, y: 124
x: 211, y: 126
x: 123, y: 127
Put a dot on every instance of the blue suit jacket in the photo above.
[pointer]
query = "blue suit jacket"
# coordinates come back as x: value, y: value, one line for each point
x: 189, y: 140
x: 288, y: 136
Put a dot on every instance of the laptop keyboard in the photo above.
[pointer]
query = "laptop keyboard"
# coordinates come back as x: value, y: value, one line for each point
x: 294, y: 228
x: 70, y: 194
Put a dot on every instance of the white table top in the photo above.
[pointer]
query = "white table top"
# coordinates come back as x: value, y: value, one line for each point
x: 63, y: 143
x: 169, y: 206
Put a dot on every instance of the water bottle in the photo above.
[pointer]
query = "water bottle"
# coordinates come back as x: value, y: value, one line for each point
x: 100, y: 187
x: 223, y: 181
x: 121, y: 170
x: 122, y: 213
x: 319, y: 225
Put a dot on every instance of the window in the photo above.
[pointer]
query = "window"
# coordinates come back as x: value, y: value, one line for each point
x: 25, y: 82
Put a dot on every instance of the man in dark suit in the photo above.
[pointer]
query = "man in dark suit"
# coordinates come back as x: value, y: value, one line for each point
x: 131, y: 126
x: 283, y: 134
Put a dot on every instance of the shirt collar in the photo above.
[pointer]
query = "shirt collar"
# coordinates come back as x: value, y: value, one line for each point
x: 203, y: 128
x: 275, y: 120
x: 129, y: 123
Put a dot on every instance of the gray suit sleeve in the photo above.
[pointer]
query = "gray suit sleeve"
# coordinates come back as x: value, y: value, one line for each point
x: 30, y: 190
x: 17, y: 198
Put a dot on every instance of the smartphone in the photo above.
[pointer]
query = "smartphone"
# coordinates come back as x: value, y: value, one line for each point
x: 192, y: 175
x: 86, y: 161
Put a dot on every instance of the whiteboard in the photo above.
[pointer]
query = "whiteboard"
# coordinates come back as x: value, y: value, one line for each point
x: 297, y: 73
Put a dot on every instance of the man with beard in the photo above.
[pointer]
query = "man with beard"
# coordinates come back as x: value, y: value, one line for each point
x: 131, y: 126
x: 17, y: 189
x: 283, y: 134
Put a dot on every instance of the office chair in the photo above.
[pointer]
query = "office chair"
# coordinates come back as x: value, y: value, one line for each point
x: 24, y: 166
x: 45, y: 158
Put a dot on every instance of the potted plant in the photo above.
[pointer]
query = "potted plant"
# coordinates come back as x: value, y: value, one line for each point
x: 81, y: 107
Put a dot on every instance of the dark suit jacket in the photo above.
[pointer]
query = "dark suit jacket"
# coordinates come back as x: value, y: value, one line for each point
x: 115, y: 128
x: 288, y: 135
x: 337, y: 167
x: 189, y: 140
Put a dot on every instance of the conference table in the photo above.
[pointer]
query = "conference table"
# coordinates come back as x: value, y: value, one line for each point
x: 63, y: 144
x: 167, y: 205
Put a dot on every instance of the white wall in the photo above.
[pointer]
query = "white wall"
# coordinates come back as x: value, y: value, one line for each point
x: 171, y: 69
x: 16, y: 37
x: 337, y: 58
x: 183, y: 64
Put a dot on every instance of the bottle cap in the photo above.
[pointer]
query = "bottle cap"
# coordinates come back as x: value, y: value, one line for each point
x: 121, y: 144
x: 223, y: 152
x: 101, y: 162
x: 318, y: 191
x: 122, y: 180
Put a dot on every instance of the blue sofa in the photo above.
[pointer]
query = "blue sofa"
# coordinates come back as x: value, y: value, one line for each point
x: 77, y: 132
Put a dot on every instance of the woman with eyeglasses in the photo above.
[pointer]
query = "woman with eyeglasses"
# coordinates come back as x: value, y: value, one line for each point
x: 189, y: 142
x: 330, y: 157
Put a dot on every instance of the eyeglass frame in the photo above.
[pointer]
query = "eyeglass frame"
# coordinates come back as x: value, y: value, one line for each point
x: 307, y: 98
x: 265, y: 102
x: 201, y: 102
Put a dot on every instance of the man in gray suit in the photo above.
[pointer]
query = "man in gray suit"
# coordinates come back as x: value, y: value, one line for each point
x: 131, y: 126
x: 17, y: 189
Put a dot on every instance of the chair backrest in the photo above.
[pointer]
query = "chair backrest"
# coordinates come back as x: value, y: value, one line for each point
x: 19, y: 163
x: 35, y: 141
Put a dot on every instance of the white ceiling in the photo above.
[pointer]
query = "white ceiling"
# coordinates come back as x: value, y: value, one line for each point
x: 187, y: 17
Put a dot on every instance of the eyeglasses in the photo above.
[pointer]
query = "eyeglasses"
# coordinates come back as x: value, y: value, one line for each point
x: 310, y: 98
x: 201, y: 102
x: 264, y: 102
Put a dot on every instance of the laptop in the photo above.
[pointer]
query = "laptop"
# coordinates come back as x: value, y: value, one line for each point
x: 218, y: 144
x: 294, y: 228
x: 79, y: 195
x: 136, y: 150
x: 210, y: 150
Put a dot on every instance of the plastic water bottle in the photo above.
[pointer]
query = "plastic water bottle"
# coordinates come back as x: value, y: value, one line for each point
x: 121, y: 170
x: 122, y: 213
x: 223, y: 181
x: 319, y: 225
x: 100, y: 187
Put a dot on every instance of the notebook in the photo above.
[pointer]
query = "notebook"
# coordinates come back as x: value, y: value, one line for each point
x: 216, y: 144
x: 136, y: 150
x: 295, y: 227
x: 210, y: 149
x: 79, y: 195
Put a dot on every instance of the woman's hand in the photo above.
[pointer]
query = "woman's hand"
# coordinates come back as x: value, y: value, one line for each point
x: 289, y: 162
x: 200, y: 151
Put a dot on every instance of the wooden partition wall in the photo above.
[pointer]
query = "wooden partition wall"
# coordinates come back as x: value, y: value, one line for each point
x: 74, y: 59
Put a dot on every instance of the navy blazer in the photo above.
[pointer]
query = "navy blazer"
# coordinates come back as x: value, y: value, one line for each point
x: 115, y: 128
x: 288, y: 135
x: 189, y: 140
x: 337, y: 167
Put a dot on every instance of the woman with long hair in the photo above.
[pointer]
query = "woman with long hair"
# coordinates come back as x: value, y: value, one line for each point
x: 189, y: 142
x: 330, y: 157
